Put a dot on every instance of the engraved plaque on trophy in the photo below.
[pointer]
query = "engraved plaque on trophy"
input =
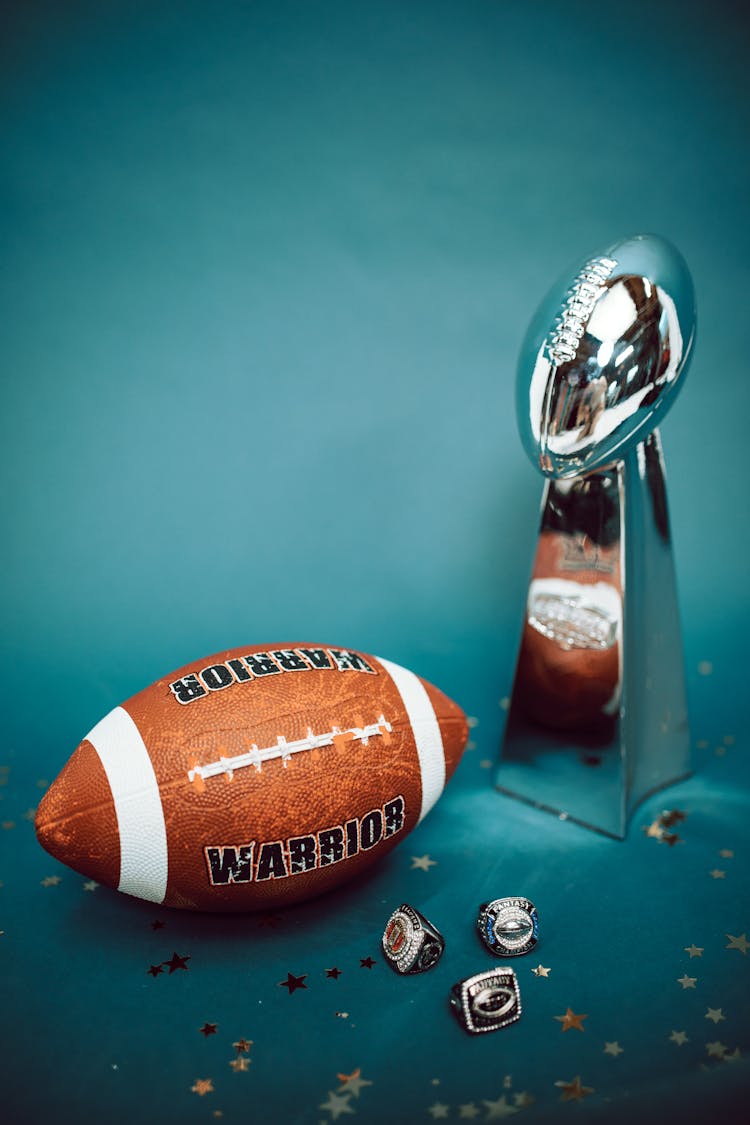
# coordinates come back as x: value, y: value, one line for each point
x: 598, y: 717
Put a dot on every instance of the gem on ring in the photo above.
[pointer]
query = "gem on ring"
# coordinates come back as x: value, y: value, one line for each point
x: 487, y: 1001
x: 411, y: 944
x: 508, y: 926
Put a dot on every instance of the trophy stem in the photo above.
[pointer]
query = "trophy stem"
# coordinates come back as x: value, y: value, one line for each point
x: 598, y: 714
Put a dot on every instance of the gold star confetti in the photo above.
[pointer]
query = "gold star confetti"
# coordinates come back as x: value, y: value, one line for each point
x: 571, y: 1020
x: 613, y: 1049
x: 717, y: 874
x: 740, y: 943
x: 438, y: 1110
x: 499, y: 1109
x: 679, y: 1037
x: 523, y: 1099
x: 422, y: 862
x: 242, y: 1062
x: 202, y: 1087
x: 8, y: 824
x: 51, y: 881
x: 705, y: 668
x: 468, y: 1111
x: 573, y: 1091
x: 486, y: 764
x: 353, y: 1083
x: 726, y: 853
x: 654, y: 830
x: 30, y: 814
x: 42, y: 783
x: 540, y: 971
x: 694, y: 951
x: 90, y: 885
x: 715, y: 1014
x: 687, y: 982
x: 728, y: 740
x: 336, y: 1104
x: 243, y: 1045
x: 472, y: 721
x: 716, y: 1049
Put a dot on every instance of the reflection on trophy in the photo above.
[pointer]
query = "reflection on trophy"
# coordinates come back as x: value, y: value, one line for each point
x: 598, y: 717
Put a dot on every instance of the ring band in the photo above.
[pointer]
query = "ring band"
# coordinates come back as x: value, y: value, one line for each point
x: 508, y: 926
x: 410, y: 943
x: 487, y: 1001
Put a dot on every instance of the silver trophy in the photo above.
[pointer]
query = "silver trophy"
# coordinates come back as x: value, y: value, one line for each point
x: 598, y: 716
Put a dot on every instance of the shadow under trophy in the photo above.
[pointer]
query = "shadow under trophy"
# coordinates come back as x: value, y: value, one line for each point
x: 598, y: 716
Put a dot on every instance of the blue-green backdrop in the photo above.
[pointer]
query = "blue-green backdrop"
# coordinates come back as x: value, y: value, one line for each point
x: 265, y: 271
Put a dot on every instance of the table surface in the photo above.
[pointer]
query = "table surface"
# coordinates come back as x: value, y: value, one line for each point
x: 266, y: 270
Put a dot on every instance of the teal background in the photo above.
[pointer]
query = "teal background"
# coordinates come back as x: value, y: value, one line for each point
x: 266, y: 268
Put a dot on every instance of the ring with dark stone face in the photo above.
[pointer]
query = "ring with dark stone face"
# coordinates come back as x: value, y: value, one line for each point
x: 508, y: 926
x: 487, y: 1001
x: 411, y: 943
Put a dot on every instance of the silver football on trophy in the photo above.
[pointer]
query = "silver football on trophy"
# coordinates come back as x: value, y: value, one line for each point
x: 604, y: 355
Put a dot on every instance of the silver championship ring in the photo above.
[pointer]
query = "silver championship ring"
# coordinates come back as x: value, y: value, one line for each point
x: 410, y: 943
x: 508, y: 926
x: 487, y: 1001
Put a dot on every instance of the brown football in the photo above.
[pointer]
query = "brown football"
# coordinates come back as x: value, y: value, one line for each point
x: 255, y: 778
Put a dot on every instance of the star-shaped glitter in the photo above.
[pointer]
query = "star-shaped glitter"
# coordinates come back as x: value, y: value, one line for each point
x: 468, y: 1110
x: 293, y: 983
x: 671, y: 838
x: 90, y: 885
x: 726, y: 853
x: 499, y: 1108
x: 670, y: 817
x: 694, y: 951
x: 366, y: 962
x: 740, y: 943
x: 717, y: 873
x: 573, y: 1091
x: 269, y: 921
x: 522, y: 1099
x: 716, y: 1049
x: 336, y: 1104
x: 242, y: 1046
x: 51, y: 881
x: 202, y: 1086
x: 540, y: 971
x: 687, y: 982
x: 613, y: 1049
x: 423, y: 862
x: 654, y: 830
x: 438, y: 1110
x: 570, y: 1020
x: 154, y: 970
x: 333, y: 974
x: 176, y: 962
x: 353, y: 1083
x: 679, y: 1037
x: 240, y: 1063
x: 715, y: 1015
x: 208, y: 1029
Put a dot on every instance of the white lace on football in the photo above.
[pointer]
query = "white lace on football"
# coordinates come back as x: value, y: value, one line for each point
x: 256, y: 755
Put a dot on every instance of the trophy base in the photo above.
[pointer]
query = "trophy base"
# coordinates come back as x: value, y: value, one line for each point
x: 598, y: 714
